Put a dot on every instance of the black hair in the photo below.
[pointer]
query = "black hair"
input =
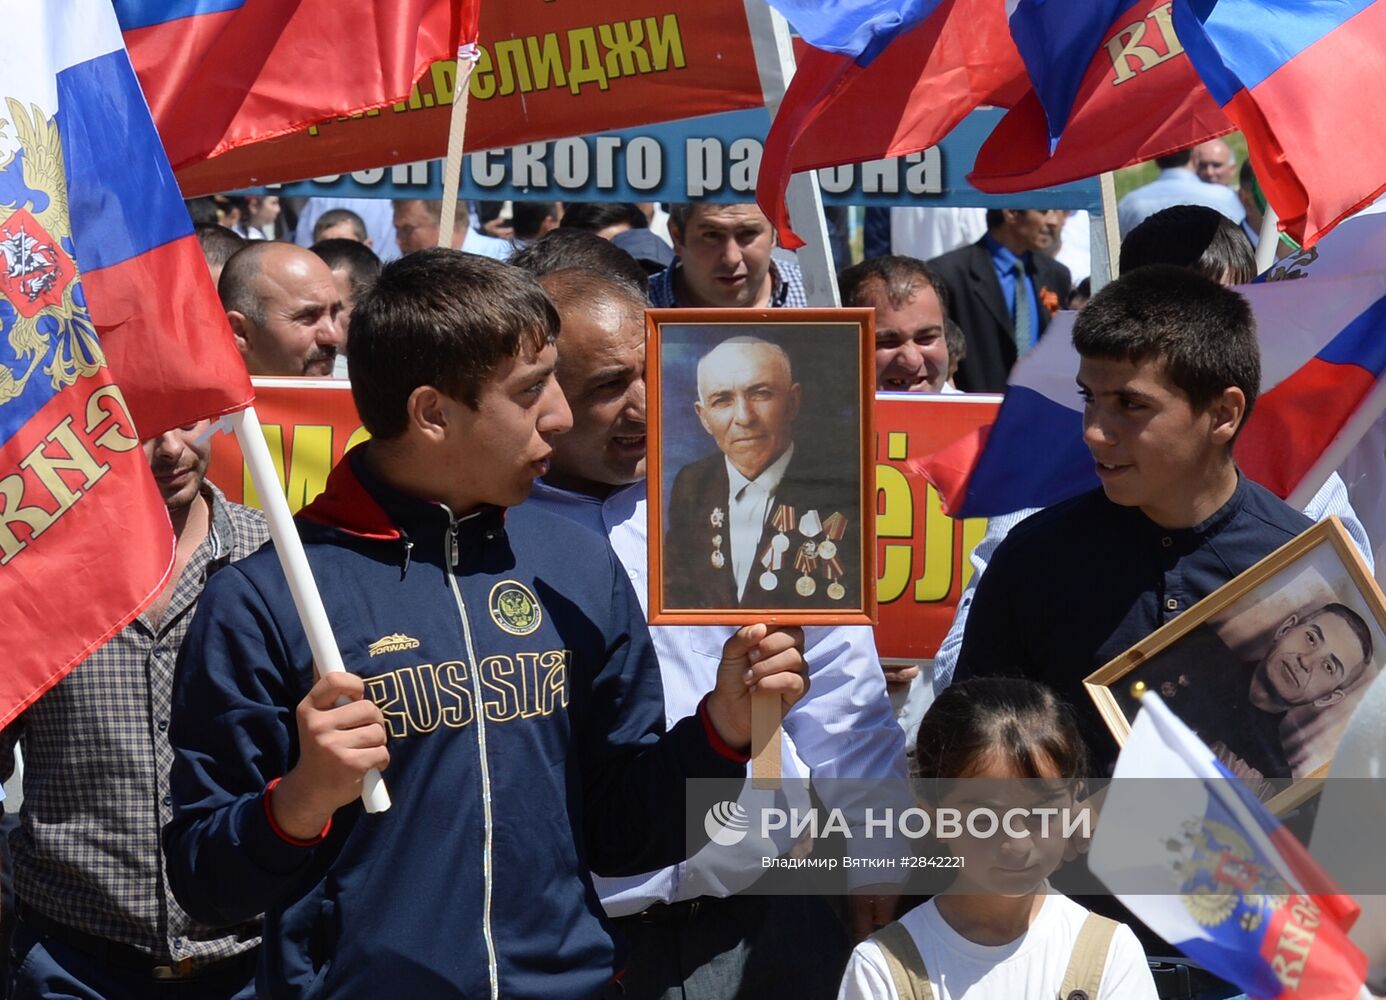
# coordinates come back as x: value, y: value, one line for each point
x: 563, y: 249
x: 956, y: 340
x: 1192, y: 236
x: 976, y: 721
x: 899, y: 277
x: 1355, y: 623
x: 595, y: 216
x: 1203, y: 332
x: 357, y: 259
x: 526, y: 217
x: 218, y: 243
x: 203, y: 211
x: 335, y: 217
x: 441, y: 318
x: 1179, y: 159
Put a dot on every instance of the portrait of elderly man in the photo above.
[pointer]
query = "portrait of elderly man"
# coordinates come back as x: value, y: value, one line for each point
x: 772, y: 518
x: 1256, y: 716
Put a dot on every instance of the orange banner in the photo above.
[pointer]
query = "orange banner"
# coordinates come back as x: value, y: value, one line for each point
x: 921, y: 555
x: 549, y: 69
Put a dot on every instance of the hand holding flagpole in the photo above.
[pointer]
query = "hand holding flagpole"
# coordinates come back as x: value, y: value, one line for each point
x: 289, y: 547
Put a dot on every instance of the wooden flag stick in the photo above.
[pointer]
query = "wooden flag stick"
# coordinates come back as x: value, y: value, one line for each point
x: 457, y: 130
x: 1106, y: 238
x: 767, y: 711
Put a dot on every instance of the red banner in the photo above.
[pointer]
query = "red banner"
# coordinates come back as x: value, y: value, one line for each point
x: 921, y: 553
x: 548, y: 70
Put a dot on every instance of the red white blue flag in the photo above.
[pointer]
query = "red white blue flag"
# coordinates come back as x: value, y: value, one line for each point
x: 1296, y: 77
x: 1207, y: 867
x: 221, y: 74
x: 882, y: 78
x: 1138, y: 97
x: 110, y: 332
x: 1322, y: 360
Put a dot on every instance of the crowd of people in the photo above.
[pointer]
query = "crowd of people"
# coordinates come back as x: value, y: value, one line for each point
x: 190, y: 824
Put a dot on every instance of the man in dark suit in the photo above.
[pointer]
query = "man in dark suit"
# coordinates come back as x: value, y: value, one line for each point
x: 983, y: 280
x: 764, y: 523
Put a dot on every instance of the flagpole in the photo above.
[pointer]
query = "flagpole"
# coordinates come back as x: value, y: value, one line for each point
x: 774, y: 52
x: 457, y: 130
x: 1268, y: 240
x: 1106, y: 238
x: 289, y: 547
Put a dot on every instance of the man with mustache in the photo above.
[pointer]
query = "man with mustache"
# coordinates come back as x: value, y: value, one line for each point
x: 96, y: 918
x: 282, y: 304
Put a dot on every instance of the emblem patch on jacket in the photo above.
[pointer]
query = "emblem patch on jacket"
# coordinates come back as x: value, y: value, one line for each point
x: 514, y: 608
x: 394, y: 643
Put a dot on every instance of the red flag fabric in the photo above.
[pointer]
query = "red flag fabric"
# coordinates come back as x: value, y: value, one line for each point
x: 1140, y: 98
x: 907, y: 98
x: 110, y: 332
x: 220, y: 74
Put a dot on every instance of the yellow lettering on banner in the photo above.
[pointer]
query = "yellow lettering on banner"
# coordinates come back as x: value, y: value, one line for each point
x: 304, y: 476
x: 625, y: 54
x: 1126, y: 46
x: 895, y: 520
x: 483, y: 85
x: 665, y: 42
x: 357, y: 437
x: 114, y: 437
x: 546, y: 62
x: 936, y: 583
x: 274, y: 439
x: 514, y: 69
x: 585, y: 61
x: 443, y: 73
x: 76, y: 459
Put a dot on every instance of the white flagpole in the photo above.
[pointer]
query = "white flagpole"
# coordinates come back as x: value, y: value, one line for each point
x: 774, y: 53
x: 1269, y: 239
x: 307, y: 600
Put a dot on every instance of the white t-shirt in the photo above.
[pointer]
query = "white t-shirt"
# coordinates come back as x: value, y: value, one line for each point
x: 1029, y: 968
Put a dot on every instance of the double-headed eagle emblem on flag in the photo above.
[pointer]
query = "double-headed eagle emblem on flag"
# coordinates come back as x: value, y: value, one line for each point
x: 43, y: 314
x: 1219, y: 876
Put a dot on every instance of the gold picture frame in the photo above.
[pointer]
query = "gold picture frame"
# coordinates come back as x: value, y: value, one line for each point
x: 823, y: 499
x: 1267, y: 668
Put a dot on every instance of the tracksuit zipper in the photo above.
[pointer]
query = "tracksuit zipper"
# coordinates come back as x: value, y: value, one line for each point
x: 451, y: 545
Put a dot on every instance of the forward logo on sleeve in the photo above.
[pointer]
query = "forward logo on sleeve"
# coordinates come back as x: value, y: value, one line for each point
x: 396, y: 642
x: 514, y: 608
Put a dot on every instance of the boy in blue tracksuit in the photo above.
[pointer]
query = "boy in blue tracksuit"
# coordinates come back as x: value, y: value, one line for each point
x: 498, y: 663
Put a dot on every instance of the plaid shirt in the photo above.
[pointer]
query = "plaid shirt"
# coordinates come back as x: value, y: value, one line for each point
x: 96, y: 766
x: 786, y: 286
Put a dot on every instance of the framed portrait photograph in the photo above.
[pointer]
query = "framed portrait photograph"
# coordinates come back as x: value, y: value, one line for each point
x: 761, y: 466
x: 1268, y: 668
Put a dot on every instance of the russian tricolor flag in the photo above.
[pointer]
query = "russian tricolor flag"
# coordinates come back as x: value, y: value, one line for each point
x: 883, y: 78
x: 220, y: 74
x: 1136, y: 98
x: 1296, y: 78
x: 110, y: 331
x: 1323, y: 352
x: 1192, y: 852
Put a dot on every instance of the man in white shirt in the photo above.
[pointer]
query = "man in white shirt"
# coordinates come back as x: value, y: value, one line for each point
x: 690, y: 937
